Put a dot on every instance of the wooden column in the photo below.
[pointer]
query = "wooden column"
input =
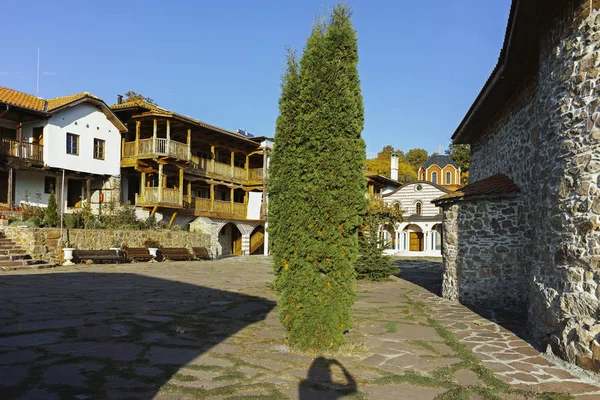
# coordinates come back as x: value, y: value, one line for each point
x: 154, y: 134
x: 231, y: 191
x: 181, y: 186
x: 160, y: 182
x: 189, y: 143
x: 212, y: 159
x: 143, y: 186
x: 212, y: 196
x: 247, y: 168
x: 138, y: 125
x: 122, y: 148
x: 189, y: 192
x: 88, y: 190
x: 167, y: 150
x: 10, y: 196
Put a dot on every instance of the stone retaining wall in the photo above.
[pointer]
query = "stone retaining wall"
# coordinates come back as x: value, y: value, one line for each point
x: 42, y: 243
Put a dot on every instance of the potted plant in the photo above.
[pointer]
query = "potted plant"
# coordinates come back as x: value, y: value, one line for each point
x: 68, y: 254
x: 153, y: 246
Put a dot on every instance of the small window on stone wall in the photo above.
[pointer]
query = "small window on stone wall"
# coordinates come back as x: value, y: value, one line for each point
x: 418, y: 208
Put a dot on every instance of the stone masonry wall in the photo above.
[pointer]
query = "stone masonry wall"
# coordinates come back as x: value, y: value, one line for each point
x: 481, y: 254
x: 547, y: 140
x: 42, y: 243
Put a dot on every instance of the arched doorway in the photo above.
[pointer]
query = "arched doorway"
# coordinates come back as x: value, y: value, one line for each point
x: 230, y: 240
x: 415, y: 237
x: 389, y: 237
x: 436, y: 237
x: 257, y: 240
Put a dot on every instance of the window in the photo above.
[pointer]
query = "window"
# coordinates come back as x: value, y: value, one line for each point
x: 99, y: 149
x: 418, y: 188
x: 72, y: 144
x: 448, y: 178
x: 434, y: 177
x: 418, y: 208
x: 49, y: 183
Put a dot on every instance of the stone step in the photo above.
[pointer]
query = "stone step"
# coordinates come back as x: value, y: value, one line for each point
x: 14, y: 257
x: 39, y: 265
x: 9, y: 252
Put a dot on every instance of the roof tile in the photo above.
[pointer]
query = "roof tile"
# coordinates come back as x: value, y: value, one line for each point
x: 20, y: 99
x: 496, y: 184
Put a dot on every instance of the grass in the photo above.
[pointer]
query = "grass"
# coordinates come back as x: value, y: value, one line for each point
x: 391, y: 327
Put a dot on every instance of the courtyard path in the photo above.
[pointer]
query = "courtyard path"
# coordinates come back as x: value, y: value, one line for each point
x: 195, y: 330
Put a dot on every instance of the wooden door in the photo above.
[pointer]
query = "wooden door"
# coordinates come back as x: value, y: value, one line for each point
x: 416, y: 241
x: 236, y: 238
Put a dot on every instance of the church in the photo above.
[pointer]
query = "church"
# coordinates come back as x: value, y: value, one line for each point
x: 420, y: 232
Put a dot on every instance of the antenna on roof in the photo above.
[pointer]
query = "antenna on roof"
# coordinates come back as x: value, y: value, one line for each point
x: 37, y: 86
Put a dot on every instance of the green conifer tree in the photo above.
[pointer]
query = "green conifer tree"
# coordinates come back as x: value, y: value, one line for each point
x: 316, y: 273
x: 51, y: 217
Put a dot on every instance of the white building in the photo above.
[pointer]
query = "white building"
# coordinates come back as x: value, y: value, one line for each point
x: 40, y: 140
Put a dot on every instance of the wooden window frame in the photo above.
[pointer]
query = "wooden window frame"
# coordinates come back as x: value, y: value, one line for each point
x: 76, y: 144
x: 49, y: 180
x: 99, y: 143
x: 448, y: 178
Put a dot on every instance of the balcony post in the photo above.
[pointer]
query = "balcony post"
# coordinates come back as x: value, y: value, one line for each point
x: 231, y: 191
x: 212, y: 159
x: 154, y: 133
x: 247, y: 168
x: 143, y: 188
x: 10, y: 188
x: 189, y: 192
x: 181, y: 186
x: 138, y: 125
x: 189, y: 143
x: 168, y: 149
x: 160, y: 182
x: 232, y: 163
x: 122, y: 148
x: 212, y: 197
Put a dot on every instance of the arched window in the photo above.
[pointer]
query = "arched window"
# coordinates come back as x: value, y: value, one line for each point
x: 434, y: 177
x: 448, y: 178
x: 397, y: 206
x: 418, y: 208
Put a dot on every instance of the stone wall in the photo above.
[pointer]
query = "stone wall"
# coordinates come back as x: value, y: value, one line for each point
x: 547, y: 140
x: 42, y: 243
x: 481, y: 254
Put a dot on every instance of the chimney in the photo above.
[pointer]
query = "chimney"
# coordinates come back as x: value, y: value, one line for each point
x: 119, y: 99
x: 394, y: 174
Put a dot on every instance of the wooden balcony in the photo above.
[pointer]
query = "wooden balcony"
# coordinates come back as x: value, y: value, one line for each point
x: 218, y: 170
x: 217, y: 208
x: 23, y: 150
x: 154, y: 147
x: 162, y: 197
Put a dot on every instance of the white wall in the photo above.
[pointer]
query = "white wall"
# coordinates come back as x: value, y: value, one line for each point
x: 88, y: 122
x: 407, y: 196
x: 30, y: 184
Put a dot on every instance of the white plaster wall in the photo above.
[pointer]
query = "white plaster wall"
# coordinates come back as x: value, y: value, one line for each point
x: 407, y: 196
x: 30, y: 184
x: 88, y: 122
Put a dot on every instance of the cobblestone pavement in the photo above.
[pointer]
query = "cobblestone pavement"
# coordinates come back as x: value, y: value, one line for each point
x: 187, y: 330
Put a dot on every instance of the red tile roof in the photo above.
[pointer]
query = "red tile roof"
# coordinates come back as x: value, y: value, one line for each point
x: 494, y: 185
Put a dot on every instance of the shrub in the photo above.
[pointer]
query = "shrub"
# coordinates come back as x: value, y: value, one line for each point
x: 72, y: 221
x: 30, y: 212
x: 51, y: 217
x: 151, y: 243
x: 26, y: 224
x: 94, y: 224
x: 150, y: 222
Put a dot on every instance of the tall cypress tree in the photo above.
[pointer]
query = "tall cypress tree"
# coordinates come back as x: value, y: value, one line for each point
x: 316, y: 272
x: 283, y: 173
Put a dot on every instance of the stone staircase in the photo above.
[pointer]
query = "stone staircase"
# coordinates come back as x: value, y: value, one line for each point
x: 12, y: 257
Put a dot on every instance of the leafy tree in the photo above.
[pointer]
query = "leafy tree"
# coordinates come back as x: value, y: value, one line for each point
x: 461, y: 154
x: 406, y: 172
x: 51, y: 217
x: 417, y: 157
x: 381, y: 165
x: 130, y: 95
x: 316, y: 276
x: 372, y: 264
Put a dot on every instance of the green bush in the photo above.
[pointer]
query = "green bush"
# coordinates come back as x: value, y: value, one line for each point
x: 72, y: 221
x: 30, y: 212
x: 27, y: 224
x: 51, y: 217
x: 150, y: 222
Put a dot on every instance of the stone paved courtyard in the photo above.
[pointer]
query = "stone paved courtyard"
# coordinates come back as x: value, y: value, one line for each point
x: 210, y: 329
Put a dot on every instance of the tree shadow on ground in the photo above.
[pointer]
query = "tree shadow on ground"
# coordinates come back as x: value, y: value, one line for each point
x: 429, y: 276
x: 110, y: 335
x: 320, y: 383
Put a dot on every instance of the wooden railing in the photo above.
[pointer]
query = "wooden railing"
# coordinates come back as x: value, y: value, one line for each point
x: 160, y: 146
x: 255, y: 174
x: 29, y: 151
x: 239, y: 173
x: 222, y: 207
x: 202, y: 205
x: 153, y: 196
x: 240, y: 209
x: 222, y: 169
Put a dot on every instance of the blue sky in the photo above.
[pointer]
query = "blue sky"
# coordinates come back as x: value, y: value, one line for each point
x: 421, y: 63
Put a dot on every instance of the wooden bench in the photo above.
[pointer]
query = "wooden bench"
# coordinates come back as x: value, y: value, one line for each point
x: 138, y: 254
x: 176, y: 253
x: 201, y: 253
x: 98, y: 256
